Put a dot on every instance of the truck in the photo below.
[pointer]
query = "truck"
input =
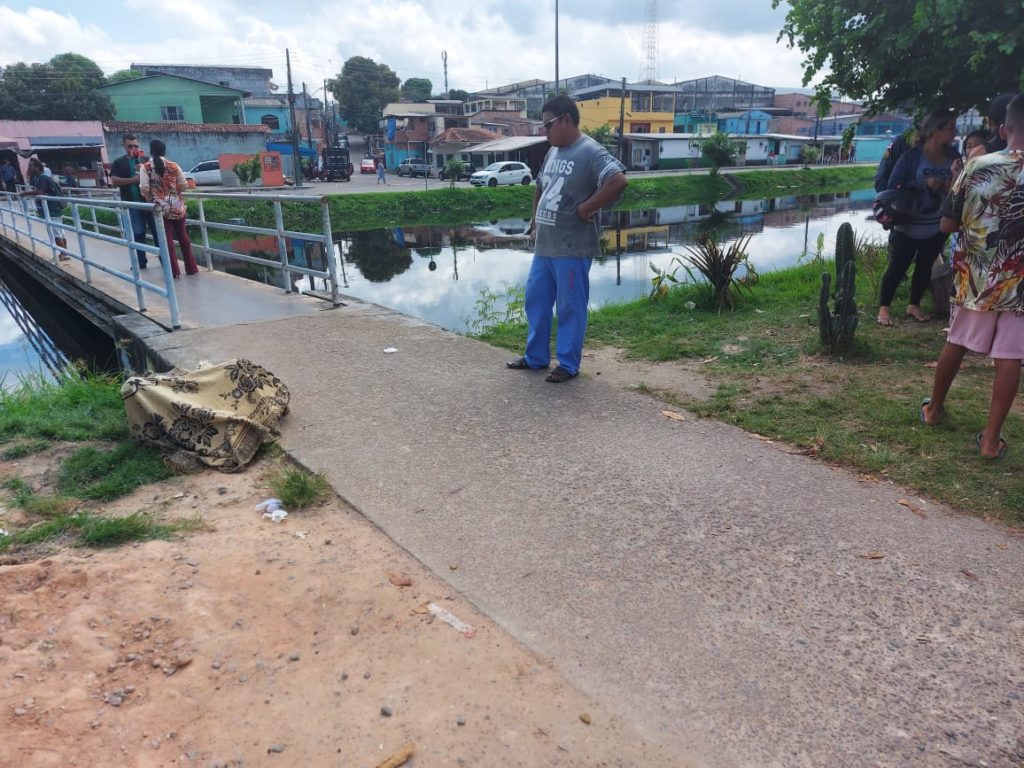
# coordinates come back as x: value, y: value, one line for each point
x: 337, y: 166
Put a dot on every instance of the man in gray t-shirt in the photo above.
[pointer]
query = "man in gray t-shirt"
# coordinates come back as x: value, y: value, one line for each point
x: 577, y: 179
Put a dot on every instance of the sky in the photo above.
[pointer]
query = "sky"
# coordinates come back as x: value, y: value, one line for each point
x: 489, y: 42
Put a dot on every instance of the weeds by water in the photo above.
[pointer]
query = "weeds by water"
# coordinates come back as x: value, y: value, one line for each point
x: 498, y: 307
x: 77, y: 406
x: 106, y: 474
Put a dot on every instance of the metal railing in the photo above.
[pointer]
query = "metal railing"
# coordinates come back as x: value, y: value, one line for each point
x: 17, y: 219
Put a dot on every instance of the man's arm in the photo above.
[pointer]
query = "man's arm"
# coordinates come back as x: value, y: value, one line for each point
x: 948, y: 225
x: 122, y: 181
x: 606, y: 194
x: 537, y: 192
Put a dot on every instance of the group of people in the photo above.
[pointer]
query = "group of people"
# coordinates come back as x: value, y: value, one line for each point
x: 978, y: 198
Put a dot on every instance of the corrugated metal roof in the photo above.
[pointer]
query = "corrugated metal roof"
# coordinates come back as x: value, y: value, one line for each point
x: 171, y: 127
x: 510, y: 144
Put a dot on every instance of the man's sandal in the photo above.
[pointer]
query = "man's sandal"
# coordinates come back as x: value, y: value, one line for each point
x: 559, y: 375
x: 521, y: 365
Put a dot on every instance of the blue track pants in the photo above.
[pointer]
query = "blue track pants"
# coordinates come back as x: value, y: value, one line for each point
x: 563, y: 284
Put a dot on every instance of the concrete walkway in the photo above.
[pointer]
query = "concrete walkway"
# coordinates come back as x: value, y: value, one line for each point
x: 754, y: 607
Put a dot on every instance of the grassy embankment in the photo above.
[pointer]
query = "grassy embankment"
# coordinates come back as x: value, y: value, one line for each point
x: 859, y: 410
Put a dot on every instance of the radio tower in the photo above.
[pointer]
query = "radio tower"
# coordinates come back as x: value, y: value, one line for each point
x: 650, y: 43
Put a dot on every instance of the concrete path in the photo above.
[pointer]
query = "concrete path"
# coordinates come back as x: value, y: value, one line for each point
x: 757, y: 608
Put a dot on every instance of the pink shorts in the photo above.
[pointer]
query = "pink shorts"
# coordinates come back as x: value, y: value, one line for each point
x: 1000, y: 335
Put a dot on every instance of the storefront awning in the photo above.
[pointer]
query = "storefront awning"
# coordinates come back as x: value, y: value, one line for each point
x: 64, y: 142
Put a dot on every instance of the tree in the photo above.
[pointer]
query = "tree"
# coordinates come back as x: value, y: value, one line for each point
x: 719, y: 149
x: 362, y: 89
x: 919, y: 53
x: 458, y: 94
x: 417, y: 89
x: 64, y: 88
x: 124, y: 74
x: 603, y: 135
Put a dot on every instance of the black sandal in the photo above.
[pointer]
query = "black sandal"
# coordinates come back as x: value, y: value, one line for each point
x: 520, y: 365
x: 560, y: 375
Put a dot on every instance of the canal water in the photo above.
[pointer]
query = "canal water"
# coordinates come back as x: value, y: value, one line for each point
x: 439, y: 274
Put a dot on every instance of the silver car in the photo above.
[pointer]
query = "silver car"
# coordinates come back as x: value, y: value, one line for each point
x: 506, y: 172
x: 205, y: 173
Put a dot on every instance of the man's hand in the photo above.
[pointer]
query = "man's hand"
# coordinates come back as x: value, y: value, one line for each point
x: 586, y: 214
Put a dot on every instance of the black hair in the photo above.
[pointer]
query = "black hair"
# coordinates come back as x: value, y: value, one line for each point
x: 1015, y: 113
x: 562, y: 105
x: 997, y: 110
x: 157, y: 149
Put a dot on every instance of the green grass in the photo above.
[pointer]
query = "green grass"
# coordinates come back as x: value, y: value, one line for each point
x: 19, y: 449
x: 858, y: 410
x: 103, y: 475
x: 76, y: 407
x: 297, y: 488
x: 87, y: 529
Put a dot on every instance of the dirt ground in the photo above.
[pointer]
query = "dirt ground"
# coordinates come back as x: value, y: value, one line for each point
x: 256, y: 643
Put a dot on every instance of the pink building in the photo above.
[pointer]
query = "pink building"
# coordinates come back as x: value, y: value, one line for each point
x: 74, y: 145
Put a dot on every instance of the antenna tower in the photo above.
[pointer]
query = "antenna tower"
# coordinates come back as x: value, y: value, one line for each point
x: 649, y: 71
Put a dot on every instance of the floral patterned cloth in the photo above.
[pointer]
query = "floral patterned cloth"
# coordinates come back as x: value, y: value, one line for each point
x: 218, y: 415
x: 988, y: 258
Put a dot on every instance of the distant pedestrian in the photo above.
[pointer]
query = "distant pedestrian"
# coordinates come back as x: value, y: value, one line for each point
x: 45, y: 185
x: 987, y: 207
x: 163, y: 183
x: 8, y: 176
x: 124, y: 174
x: 381, y: 173
x: 577, y: 179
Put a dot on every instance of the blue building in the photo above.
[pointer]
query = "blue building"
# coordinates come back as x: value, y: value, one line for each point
x: 749, y: 122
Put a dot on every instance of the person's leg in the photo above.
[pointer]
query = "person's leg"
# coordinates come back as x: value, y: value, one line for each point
x: 573, y: 297
x: 924, y: 258
x: 139, y: 234
x: 185, y: 242
x: 946, y: 370
x: 1004, y: 390
x: 169, y: 234
x: 901, y: 254
x: 539, y: 303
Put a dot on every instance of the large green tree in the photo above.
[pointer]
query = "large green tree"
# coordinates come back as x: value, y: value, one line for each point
x: 123, y: 75
x: 417, y: 88
x: 362, y: 89
x: 64, y: 88
x: 910, y: 53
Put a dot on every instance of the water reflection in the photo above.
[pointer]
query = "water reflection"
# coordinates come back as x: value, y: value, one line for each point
x: 445, y: 268
x: 25, y: 348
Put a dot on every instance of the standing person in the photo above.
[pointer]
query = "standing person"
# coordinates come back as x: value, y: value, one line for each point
x: 124, y: 174
x: 577, y: 179
x: 926, y: 171
x: 381, y: 173
x: 8, y: 176
x: 163, y: 183
x: 987, y: 207
x: 45, y: 185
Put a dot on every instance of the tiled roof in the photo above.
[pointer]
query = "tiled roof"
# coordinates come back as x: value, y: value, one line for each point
x: 121, y: 126
x: 465, y: 136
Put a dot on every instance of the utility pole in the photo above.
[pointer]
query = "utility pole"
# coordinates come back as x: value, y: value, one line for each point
x: 309, y: 124
x: 444, y: 58
x: 622, y: 115
x: 296, y: 165
x: 556, y: 48
x: 328, y: 128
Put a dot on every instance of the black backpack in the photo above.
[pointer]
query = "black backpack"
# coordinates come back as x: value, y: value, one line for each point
x: 899, y: 145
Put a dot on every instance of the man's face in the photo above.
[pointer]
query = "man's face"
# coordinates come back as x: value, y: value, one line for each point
x: 132, y: 148
x: 554, y: 127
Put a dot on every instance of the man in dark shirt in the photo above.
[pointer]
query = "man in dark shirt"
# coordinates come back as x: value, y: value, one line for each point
x: 124, y: 174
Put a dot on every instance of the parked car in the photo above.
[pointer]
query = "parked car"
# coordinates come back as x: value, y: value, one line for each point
x: 367, y: 165
x: 413, y: 166
x: 205, y: 173
x: 468, y: 169
x: 502, y: 173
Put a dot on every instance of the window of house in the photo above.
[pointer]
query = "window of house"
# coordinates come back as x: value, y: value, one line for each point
x: 641, y: 102
x: 176, y: 113
x: 664, y: 102
x: 271, y: 121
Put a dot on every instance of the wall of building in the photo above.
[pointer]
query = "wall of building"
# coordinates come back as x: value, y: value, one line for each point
x: 597, y: 112
x: 189, y: 148
x: 143, y: 100
x: 253, y: 80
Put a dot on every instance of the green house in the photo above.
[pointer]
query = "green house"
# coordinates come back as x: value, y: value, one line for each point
x: 175, y: 99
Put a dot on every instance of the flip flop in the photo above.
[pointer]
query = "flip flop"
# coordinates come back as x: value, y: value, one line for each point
x: 920, y: 414
x: 559, y: 375
x: 1002, y: 448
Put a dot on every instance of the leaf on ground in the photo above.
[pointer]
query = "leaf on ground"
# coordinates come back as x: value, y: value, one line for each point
x: 873, y: 555
x: 673, y: 415
x: 969, y: 574
x: 762, y: 438
x: 399, y: 579
x: 421, y: 609
x: 916, y: 510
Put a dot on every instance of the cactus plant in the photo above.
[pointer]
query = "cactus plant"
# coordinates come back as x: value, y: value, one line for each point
x: 837, y: 327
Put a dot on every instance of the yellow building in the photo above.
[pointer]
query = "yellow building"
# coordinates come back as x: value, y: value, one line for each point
x: 648, y: 108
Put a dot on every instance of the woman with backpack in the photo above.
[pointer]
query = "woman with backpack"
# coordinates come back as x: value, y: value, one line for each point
x: 162, y: 183
x: 925, y: 171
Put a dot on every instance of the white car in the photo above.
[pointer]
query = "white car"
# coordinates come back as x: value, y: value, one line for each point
x: 507, y: 172
x: 205, y: 173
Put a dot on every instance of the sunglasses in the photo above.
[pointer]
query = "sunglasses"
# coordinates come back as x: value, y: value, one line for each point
x: 546, y: 125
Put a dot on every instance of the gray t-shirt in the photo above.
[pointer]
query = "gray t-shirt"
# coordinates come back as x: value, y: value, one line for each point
x: 569, y: 176
x: 925, y: 223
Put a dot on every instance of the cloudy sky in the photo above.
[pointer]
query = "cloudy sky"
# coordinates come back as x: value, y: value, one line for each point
x: 489, y: 42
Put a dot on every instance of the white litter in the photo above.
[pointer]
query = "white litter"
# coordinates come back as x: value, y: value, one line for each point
x: 390, y: 350
x: 450, y: 618
x: 3, y: 532
x: 272, y: 509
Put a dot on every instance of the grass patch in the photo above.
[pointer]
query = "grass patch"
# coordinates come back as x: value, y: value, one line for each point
x: 76, y: 407
x: 297, y: 488
x: 103, y: 475
x: 858, y: 410
x: 22, y: 448
x: 87, y: 529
